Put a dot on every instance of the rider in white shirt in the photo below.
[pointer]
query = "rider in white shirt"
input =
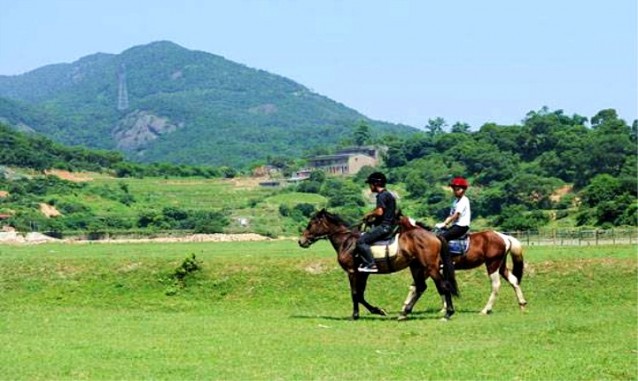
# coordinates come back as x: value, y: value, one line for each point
x: 460, y: 213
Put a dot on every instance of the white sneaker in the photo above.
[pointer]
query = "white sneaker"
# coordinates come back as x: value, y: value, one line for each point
x: 368, y: 269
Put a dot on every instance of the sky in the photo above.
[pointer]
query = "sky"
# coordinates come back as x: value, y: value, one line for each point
x: 400, y: 61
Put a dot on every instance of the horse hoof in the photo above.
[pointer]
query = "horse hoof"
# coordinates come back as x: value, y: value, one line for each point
x: 485, y: 312
x: 444, y: 319
x: 382, y: 312
x: 355, y: 317
x: 402, y: 317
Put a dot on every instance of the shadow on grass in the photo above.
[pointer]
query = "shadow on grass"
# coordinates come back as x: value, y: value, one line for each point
x: 426, y: 314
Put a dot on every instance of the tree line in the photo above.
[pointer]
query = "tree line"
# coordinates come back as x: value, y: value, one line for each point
x: 26, y: 150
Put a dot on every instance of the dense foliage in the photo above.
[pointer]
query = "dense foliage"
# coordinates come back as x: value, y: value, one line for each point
x: 516, y: 169
x: 39, y: 153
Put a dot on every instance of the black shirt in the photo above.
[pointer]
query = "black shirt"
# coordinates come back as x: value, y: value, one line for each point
x: 386, y: 201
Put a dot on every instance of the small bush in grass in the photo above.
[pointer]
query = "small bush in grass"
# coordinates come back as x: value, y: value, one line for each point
x: 185, y: 269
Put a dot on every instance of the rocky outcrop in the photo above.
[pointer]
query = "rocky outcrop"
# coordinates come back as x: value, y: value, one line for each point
x: 139, y: 128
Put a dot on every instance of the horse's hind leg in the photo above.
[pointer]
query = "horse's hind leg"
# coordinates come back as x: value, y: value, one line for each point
x: 417, y: 289
x: 443, y: 291
x: 505, y: 273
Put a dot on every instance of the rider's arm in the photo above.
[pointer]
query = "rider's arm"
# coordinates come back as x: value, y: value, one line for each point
x: 375, y: 213
x: 451, y: 218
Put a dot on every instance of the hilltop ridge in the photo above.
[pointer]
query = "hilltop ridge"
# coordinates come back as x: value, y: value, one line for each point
x: 161, y: 102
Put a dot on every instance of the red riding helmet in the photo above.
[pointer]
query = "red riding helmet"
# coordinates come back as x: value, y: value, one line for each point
x: 459, y: 182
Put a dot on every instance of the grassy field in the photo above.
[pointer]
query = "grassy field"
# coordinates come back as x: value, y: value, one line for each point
x: 239, y: 198
x: 270, y: 310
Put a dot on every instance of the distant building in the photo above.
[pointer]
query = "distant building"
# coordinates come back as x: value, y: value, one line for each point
x: 347, y: 161
x: 302, y: 174
x: 266, y: 170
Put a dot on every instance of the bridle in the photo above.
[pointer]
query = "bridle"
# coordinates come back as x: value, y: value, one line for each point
x: 339, y: 229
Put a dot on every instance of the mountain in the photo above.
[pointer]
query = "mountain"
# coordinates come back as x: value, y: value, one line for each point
x: 163, y: 103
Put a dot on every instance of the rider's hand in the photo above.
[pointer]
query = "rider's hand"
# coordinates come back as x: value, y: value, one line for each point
x: 440, y: 225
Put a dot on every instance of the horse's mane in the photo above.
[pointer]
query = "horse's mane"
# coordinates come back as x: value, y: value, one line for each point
x: 334, y: 218
x: 406, y: 223
x: 423, y: 226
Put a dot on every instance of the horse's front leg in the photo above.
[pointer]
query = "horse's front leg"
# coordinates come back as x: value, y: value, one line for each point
x: 358, y: 295
x: 362, y: 283
x: 354, y: 294
x: 496, y: 286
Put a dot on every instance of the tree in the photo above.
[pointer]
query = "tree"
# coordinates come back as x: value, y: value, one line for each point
x: 362, y: 134
x: 602, y: 188
x: 436, y: 126
x: 395, y: 155
x: 516, y: 217
x: 340, y: 192
x: 459, y: 127
x: 604, y: 117
x: 606, y: 147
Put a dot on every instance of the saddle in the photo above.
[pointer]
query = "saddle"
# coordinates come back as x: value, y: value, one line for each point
x: 459, y: 246
x: 385, y: 249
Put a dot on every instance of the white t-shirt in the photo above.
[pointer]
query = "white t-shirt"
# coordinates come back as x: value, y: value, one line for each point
x: 462, y: 206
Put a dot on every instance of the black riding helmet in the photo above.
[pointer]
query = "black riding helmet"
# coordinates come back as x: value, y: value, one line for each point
x: 377, y: 178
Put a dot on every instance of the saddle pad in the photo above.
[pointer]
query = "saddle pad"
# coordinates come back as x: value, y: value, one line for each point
x: 383, y: 249
x: 459, y: 246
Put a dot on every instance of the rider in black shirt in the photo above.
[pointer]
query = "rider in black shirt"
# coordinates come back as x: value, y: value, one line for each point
x: 382, y: 219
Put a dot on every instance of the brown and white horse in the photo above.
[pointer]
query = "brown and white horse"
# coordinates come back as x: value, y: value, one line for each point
x: 420, y: 250
x: 490, y: 248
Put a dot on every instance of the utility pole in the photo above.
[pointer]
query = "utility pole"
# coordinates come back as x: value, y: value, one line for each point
x: 122, y: 93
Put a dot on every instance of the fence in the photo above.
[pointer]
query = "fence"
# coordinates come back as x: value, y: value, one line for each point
x: 577, y: 237
x: 545, y: 237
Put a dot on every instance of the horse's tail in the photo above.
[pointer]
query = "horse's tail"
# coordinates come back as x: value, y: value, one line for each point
x: 448, y: 267
x: 515, y: 248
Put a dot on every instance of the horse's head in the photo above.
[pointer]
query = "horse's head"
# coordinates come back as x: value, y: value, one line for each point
x: 320, y: 226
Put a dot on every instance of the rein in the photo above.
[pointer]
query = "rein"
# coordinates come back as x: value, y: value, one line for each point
x: 345, y: 229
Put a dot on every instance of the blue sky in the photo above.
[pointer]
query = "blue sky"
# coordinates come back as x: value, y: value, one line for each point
x: 402, y: 61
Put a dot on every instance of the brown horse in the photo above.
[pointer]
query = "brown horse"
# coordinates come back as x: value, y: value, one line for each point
x: 418, y: 249
x: 490, y: 248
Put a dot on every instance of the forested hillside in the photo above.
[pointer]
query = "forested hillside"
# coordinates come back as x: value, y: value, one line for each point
x: 163, y: 103
x: 553, y: 170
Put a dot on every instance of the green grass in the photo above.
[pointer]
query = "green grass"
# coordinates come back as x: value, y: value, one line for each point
x: 270, y: 310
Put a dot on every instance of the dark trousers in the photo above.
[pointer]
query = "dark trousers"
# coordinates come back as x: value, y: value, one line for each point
x: 363, y: 243
x: 455, y: 232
